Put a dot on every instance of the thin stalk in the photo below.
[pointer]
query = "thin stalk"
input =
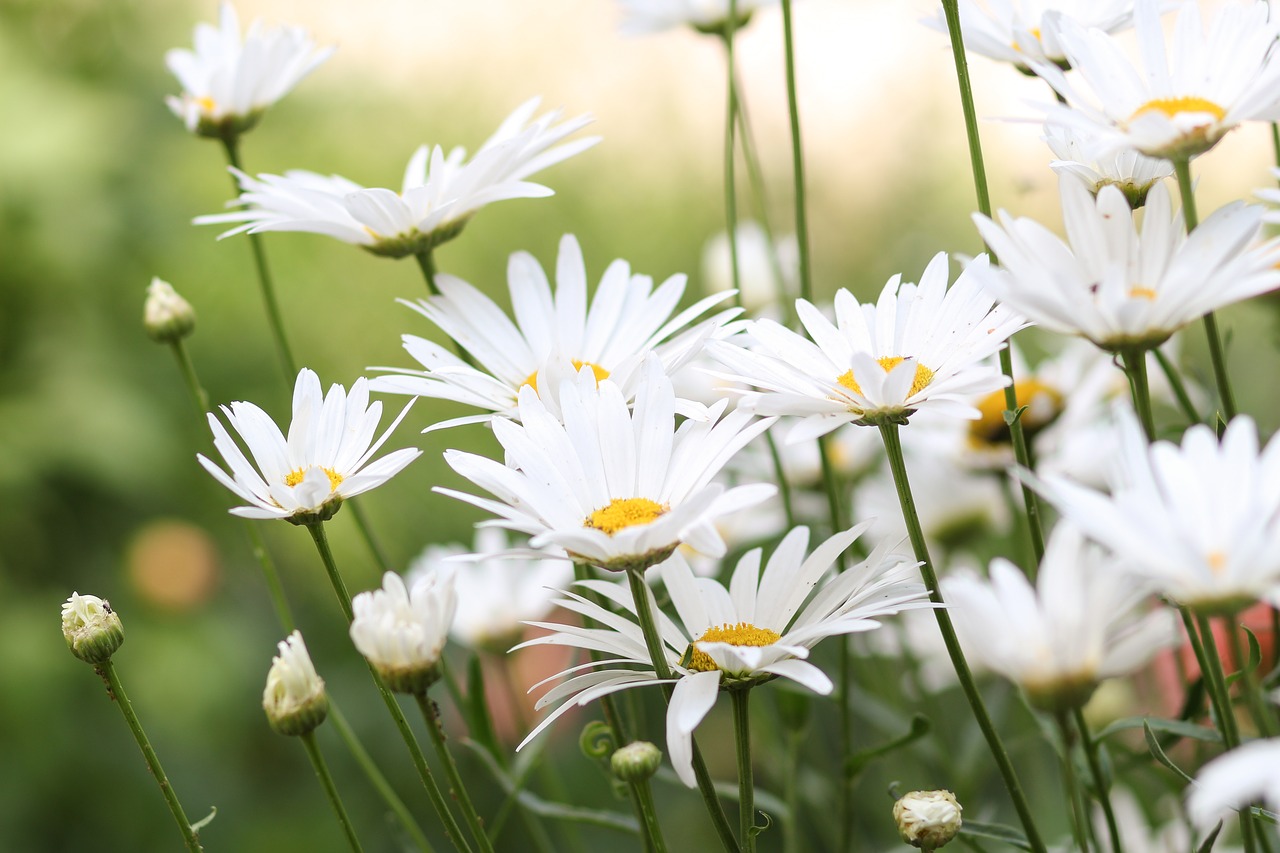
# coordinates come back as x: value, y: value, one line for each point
x: 1182, y: 169
x: 1071, y: 786
x: 893, y: 449
x: 326, y: 781
x: 107, y: 671
x: 746, y: 783
x: 780, y: 473
x: 730, y: 176
x: 797, y: 156
x: 1035, y: 525
x: 791, y: 793
x: 198, y: 394
x: 231, y: 145
x: 458, y: 790
x: 1253, y: 692
x: 451, y: 828
x: 1099, y: 780
x: 366, y: 533
x: 643, y: 795
x: 427, y: 263
x: 1179, y: 387
x: 1135, y: 365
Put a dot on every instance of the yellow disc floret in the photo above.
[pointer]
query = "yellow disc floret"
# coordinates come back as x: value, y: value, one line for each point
x: 293, y: 478
x: 624, y: 512
x: 742, y: 634
x: 1173, y: 107
x: 922, y: 378
x: 600, y: 373
x: 1044, y: 403
x: 1140, y: 292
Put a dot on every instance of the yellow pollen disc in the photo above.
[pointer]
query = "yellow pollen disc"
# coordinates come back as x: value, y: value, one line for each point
x: 624, y: 512
x: 1139, y: 292
x: 293, y: 478
x: 206, y: 103
x: 1217, y: 562
x: 1173, y: 107
x: 922, y: 378
x: 600, y: 373
x: 1044, y: 403
x: 742, y: 634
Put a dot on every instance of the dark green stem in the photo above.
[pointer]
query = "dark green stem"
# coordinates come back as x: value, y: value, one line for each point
x: 1100, y: 782
x: 797, y: 156
x: 746, y: 784
x: 893, y: 449
x: 198, y: 394
x: 427, y: 263
x: 326, y: 781
x: 1135, y: 365
x: 643, y: 795
x: 1035, y: 525
x: 1072, y: 786
x: 107, y: 671
x: 1170, y: 372
x: 1253, y: 692
x: 366, y: 533
x: 457, y: 789
x: 780, y: 473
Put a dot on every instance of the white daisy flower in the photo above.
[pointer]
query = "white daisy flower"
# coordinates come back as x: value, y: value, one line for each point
x: 294, y: 697
x: 401, y: 629
x: 640, y: 17
x: 1235, y: 780
x: 1075, y: 628
x: 228, y: 81
x: 1183, y: 98
x: 325, y: 459
x: 496, y: 596
x: 748, y: 633
x: 1201, y: 522
x: 609, y: 487
x: 1022, y: 31
x: 1132, y: 173
x: 1121, y: 286
x: 918, y: 347
x: 553, y: 337
x: 439, y: 195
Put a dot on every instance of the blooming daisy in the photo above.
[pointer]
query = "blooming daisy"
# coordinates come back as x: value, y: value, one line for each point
x: 553, y: 337
x: 1021, y: 31
x: 918, y: 347
x: 1076, y: 627
x: 1133, y: 173
x: 227, y: 82
x: 1181, y: 100
x: 1234, y: 780
x: 1201, y: 521
x: 401, y: 629
x: 756, y: 629
x: 611, y: 487
x: 1121, y: 286
x: 325, y: 459
x: 439, y: 195
x: 708, y: 16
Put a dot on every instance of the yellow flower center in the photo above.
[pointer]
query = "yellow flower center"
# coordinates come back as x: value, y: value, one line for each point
x: 923, y: 375
x: 293, y: 478
x: 1173, y: 107
x: 742, y: 634
x: 1217, y: 561
x: 1140, y: 292
x: 624, y: 512
x: 206, y: 103
x: 600, y: 373
x: 1044, y: 403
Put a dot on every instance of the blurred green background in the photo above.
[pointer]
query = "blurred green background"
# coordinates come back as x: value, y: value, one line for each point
x: 101, y: 492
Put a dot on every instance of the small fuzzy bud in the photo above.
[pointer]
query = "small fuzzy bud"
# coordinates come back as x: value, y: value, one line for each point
x: 636, y: 761
x: 166, y: 316
x: 927, y: 819
x: 294, y: 698
x: 92, y: 629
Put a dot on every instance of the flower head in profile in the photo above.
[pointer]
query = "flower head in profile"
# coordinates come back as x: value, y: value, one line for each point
x: 706, y: 16
x: 229, y: 80
x: 555, y: 334
x: 401, y: 630
x: 1235, y: 780
x: 1185, y: 96
x: 1022, y: 31
x: 439, y: 195
x: 304, y: 477
x: 1132, y: 173
x: 1122, y: 286
x: 918, y: 347
x: 294, y: 698
x: 1058, y: 640
x: 757, y: 629
x: 93, y: 630
x: 608, y: 486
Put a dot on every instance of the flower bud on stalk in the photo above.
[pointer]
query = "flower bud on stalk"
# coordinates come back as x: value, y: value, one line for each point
x: 91, y: 628
x: 294, y: 699
x: 636, y: 762
x: 927, y: 819
x: 166, y: 316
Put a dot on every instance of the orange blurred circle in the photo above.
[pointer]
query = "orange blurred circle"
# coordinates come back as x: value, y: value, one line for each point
x: 172, y: 564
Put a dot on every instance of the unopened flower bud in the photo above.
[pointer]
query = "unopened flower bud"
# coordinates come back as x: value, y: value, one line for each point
x: 636, y: 761
x: 92, y: 629
x: 402, y: 631
x: 166, y: 316
x: 927, y: 819
x: 294, y: 699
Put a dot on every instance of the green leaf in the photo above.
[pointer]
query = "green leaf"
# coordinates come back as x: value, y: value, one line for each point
x: 1011, y: 417
x: 995, y: 832
x: 1207, y: 845
x: 477, y: 710
x: 1263, y: 814
x: 1158, y: 753
x: 1177, y: 728
x: 756, y: 828
x: 854, y: 764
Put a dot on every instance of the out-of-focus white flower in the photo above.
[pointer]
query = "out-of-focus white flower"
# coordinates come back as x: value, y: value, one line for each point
x: 1136, y: 833
x: 1019, y: 31
x: 93, y: 630
x: 1234, y: 780
x: 166, y: 316
x: 1127, y: 170
x: 228, y: 81
x: 759, y: 265
x: 439, y: 195
x: 707, y: 16
x: 294, y: 698
x: 325, y: 459
x: 402, y: 630
x: 927, y: 819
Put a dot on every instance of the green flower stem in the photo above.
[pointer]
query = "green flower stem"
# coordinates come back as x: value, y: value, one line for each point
x: 274, y: 319
x: 107, y: 671
x: 457, y: 789
x: 791, y: 792
x: 1182, y: 169
x: 1035, y: 525
x: 427, y: 263
x: 897, y: 464
x: 797, y: 156
x: 643, y: 794
x: 730, y: 176
x: 451, y: 828
x: 1262, y: 718
x: 1170, y: 372
x: 746, y: 783
x: 366, y: 533
x: 780, y: 473
x: 1135, y: 365
x: 1099, y: 780
x: 1071, y: 785
x: 653, y: 642
x: 326, y: 780
x: 198, y: 394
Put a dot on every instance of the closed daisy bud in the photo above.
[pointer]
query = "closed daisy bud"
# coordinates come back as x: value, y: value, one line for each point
x: 166, y: 316
x: 927, y: 819
x: 402, y: 631
x: 294, y: 698
x: 91, y: 628
x: 636, y: 761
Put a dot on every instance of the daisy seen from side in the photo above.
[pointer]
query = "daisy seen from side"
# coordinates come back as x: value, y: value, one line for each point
x: 1022, y: 31
x: 640, y: 17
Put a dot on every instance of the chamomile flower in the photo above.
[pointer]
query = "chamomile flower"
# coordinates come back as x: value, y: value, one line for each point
x: 1132, y: 173
x: 439, y: 195
x: 918, y: 347
x: 553, y: 336
x: 325, y: 458
x: 611, y: 487
x: 1200, y: 521
x: 756, y: 629
x: 1077, y: 627
x: 228, y: 81
x: 1235, y: 780
x: 1121, y: 286
x: 1020, y: 31
x: 1184, y: 97
x: 707, y: 16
